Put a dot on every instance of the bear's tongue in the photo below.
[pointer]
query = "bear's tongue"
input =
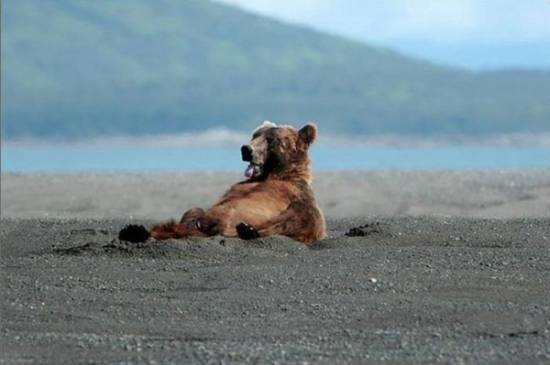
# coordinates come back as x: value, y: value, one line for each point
x: 249, y: 172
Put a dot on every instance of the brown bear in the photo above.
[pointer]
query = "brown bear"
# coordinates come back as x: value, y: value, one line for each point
x: 275, y: 199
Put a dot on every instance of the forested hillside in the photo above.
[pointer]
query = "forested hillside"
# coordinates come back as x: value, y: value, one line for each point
x: 79, y: 68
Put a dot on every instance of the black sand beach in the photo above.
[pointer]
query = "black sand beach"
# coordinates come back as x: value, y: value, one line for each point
x: 435, y: 281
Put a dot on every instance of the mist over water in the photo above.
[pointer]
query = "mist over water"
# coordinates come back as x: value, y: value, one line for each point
x: 218, y: 150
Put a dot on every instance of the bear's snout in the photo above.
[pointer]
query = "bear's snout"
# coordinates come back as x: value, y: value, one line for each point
x: 246, y: 152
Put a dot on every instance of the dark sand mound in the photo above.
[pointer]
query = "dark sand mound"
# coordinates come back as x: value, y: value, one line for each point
x: 400, y: 290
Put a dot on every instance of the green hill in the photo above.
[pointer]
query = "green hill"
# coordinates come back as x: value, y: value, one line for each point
x: 79, y: 68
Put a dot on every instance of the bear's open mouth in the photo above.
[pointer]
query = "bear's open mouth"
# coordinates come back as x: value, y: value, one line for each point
x: 252, y: 170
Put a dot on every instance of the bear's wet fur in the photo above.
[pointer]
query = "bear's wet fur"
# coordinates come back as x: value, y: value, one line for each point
x: 275, y: 199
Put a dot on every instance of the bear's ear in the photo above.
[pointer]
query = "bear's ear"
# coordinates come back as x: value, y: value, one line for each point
x: 308, y: 133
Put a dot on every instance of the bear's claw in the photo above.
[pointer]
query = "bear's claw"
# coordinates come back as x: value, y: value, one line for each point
x: 246, y: 231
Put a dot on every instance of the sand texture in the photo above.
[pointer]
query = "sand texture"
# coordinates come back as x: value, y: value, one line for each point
x: 483, y: 194
x: 418, y: 267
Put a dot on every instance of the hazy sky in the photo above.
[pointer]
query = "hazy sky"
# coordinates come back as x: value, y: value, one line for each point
x: 471, y: 33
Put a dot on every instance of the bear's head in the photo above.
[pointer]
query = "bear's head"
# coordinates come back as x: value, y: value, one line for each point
x: 279, y: 151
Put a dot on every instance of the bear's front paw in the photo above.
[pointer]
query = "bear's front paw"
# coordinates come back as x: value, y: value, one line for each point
x: 246, y: 231
x: 134, y: 233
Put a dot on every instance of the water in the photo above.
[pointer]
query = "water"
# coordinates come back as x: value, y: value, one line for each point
x: 132, y: 157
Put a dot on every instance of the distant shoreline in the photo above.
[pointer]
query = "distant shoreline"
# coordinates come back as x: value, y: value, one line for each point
x: 227, y: 137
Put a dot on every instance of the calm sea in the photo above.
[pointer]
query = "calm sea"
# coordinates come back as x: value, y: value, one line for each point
x: 129, y: 157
